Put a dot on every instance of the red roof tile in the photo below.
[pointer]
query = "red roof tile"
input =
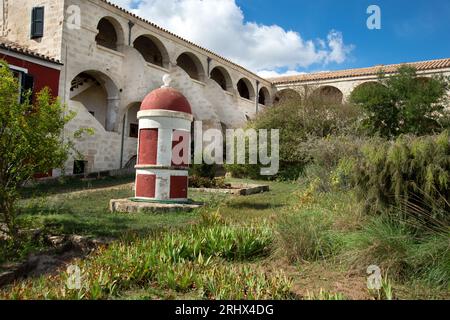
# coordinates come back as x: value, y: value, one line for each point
x: 14, y: 47
x: 371, y: 71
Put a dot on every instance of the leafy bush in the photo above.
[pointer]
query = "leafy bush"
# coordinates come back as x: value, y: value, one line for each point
x: 328, y: 159
x: 299, y: 120
x: 383, y: 242
x: 404, y: 104
x: 201, y: 182
x: 430, y: 259
x: 391, y: 245
x: 30, y: 141
x: 411, y: 175
x: 305, y: 236
x: 203, y: 170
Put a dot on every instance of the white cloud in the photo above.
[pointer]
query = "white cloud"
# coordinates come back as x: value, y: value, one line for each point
x: 219, y: 25
x: 275, y: 74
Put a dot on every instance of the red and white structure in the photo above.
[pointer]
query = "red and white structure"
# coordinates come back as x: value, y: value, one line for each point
x: 165, y: 119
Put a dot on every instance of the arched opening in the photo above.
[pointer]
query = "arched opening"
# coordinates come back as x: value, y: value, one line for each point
x: 286, y: 95
x: 191, y: 65
x: 132, y: 126
x: 367, y: 86
x: 264, y: 96
x: 110, y: 34
x: 422, y: 81
x: 99, y: 95
x: 328, y: 95
x: 222, y: 77
x: 245, y: 89
x: 152, y: 50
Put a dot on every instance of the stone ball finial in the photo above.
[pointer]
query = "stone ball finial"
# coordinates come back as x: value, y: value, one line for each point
x: 167, y: 79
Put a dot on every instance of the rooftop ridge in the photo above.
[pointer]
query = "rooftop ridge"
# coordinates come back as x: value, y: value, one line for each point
x: 13, y: 46
x: 365, y: 71
x: 183, y: 39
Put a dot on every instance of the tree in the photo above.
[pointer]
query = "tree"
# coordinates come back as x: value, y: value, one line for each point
x: 300, y: 118
x: 30, y: 141
x: 404, y: 103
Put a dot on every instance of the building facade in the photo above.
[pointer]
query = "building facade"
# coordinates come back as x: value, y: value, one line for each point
x: 34, y: 72
x: 111, y: 59
x: 337, y: 86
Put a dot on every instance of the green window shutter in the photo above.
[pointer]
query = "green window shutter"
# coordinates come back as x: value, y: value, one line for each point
x: 37, y: 22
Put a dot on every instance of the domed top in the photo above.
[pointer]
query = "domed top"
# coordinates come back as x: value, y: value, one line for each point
x: 166, y: 98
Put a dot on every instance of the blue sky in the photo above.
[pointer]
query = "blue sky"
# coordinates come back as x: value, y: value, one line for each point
x: 411, y: 30
x: 295, y: 36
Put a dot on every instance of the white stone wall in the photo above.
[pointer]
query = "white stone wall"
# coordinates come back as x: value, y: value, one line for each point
x: 346, y: 86
x: 126, y: 77
x: 17, y: 25
x: 129, y: 78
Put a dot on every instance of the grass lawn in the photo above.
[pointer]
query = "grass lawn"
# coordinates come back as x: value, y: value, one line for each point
x: 235, y: 247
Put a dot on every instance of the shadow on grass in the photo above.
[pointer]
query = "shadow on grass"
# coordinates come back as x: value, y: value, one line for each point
x: 68, y: 184
x: 254, y: 205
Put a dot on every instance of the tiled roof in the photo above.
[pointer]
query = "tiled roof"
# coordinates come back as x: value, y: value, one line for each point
x: 371, y: 71
x: 12, y: 46
x: 181, y: 38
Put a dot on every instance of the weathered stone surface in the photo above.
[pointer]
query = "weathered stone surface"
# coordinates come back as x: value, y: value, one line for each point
x: 125, y: 74
x: 128, y: 206
x: 237, y: 189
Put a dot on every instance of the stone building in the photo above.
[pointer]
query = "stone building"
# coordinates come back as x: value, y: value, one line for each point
x: 112, y: 58
x: 337, y: 86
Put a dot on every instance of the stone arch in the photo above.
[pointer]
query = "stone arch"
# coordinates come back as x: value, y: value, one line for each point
x: 328, y: 95
x: 367, y: 84
x: 222, y: 77
x: 132, y: 123
x: 152, y: 50
x: 192, y: 65
x: 264, y: 96
x: 286, y: 95
x: 422, y: 80
x: 245, y: 89
x: 99, y: 94
x: 110, y: 34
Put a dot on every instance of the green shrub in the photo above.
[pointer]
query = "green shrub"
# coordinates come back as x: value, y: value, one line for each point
x: 192, y: 260
x: 404, y: 103
x: 411, y: 175
x: 331, y: 159
x: 326, y: 152
x: 382, y: 242
x: 299, y: 120
x: 243, y: 283
x: 324, y: 295
x: 201, y: 182
x: 203, y: 170
x: 400, y: 253
x: 306, y: 236
x: 430, y: 259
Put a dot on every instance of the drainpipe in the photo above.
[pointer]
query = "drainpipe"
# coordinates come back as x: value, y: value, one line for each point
x: 130, y: 27
x: 209, y: 66
x: 257, y: 96
x: 123, y: 140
